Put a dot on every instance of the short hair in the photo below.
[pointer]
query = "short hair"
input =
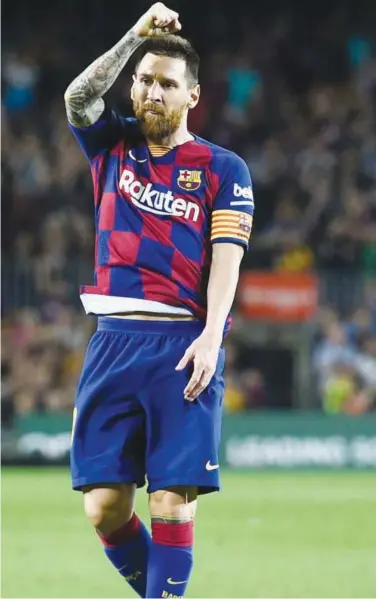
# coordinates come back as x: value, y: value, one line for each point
x: 173, y: 46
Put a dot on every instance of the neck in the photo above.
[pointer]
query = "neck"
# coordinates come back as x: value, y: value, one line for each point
x: 179, y: 137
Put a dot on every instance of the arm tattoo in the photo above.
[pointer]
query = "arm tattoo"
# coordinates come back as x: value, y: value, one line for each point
x: 83, y: 97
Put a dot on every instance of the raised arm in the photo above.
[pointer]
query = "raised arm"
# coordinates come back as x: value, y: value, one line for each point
x: 83, y: 97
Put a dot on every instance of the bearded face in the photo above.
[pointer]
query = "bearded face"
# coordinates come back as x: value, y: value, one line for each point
x: 158, y: 123
x: 161, y: 96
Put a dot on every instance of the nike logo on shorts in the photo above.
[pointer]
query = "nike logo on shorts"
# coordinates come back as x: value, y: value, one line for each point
x: 210, y: 466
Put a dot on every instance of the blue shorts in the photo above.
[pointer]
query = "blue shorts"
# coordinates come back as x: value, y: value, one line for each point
x: 131, y: 418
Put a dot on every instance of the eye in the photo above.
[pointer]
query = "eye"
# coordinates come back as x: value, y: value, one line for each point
x: 169, y: 86
x: 145, y: 80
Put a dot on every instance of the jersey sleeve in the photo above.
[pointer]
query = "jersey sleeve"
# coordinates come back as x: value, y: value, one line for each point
x: 233, y: 205
x: 100, y: 136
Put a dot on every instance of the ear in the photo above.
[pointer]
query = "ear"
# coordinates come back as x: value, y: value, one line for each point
x: 194, y: 96
x: 132, y: 88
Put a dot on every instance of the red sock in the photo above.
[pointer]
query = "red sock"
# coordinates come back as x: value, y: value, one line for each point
x: 179, y: 535
x: 128, y: 549
x: 170, y: 559
x: 123, y: 534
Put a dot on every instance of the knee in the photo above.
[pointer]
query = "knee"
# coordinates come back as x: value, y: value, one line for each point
x: 108, y: 508
x: 175, y: 503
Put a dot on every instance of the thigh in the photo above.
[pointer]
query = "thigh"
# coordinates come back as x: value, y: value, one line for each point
x: 183, y: 437
x: 108, y: 436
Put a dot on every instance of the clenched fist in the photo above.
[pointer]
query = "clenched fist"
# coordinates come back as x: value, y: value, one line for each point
x: 158, y: 20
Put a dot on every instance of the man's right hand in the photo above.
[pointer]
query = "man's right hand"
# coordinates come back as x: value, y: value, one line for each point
x: 158, y: 20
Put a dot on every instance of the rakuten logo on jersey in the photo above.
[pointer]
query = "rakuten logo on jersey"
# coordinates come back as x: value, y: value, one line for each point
x: 149, y: 199
x: 243, y: 192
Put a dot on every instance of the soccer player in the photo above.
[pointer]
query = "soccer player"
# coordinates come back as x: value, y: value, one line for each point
x: 173, y: 216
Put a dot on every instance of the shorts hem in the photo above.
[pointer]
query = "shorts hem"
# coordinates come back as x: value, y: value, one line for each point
x: 82, y: 481
x: 204, y: 487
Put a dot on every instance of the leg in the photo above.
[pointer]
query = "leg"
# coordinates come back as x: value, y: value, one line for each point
x: 110, y: 509
x: 172, y: 513
x: 181, y: 463
x: 108, y: 451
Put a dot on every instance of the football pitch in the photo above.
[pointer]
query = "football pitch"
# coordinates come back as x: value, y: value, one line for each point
x: 265, y: 535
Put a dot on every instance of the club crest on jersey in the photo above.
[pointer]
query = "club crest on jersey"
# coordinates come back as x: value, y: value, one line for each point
x: 189, y: 180
x: 245, y: 222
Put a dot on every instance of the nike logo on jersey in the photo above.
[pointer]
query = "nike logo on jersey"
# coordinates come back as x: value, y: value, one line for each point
x: 170, y: 581
x: 136, y: 159
x: 154, y: 201
x: 210, y: 466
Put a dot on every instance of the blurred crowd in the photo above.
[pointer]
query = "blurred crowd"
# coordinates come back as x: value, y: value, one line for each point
x: 42, y: 353
x: 343, y: 365
x: 344, y: 361
x: 293, y: 94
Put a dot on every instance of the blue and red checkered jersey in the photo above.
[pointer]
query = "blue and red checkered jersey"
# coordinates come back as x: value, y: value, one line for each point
x: 157, y: 214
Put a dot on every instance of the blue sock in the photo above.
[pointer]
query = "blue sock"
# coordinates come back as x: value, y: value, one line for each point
x: 170, y: 559
x: 128, y: 550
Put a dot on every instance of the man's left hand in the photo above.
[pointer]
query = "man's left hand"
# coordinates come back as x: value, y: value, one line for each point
x: 204, y: 354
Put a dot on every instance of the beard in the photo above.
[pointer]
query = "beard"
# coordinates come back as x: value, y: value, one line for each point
x: 161, y: 125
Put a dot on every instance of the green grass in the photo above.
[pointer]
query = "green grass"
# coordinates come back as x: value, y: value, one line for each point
x: 264, y: 535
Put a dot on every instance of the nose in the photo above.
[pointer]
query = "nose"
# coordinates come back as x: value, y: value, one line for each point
x: 155, y: 93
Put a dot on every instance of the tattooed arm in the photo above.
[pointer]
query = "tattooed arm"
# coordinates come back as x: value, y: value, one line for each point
x: 83, y: 97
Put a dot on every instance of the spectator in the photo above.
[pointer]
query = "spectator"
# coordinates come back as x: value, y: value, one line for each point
x: 331, y: 351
